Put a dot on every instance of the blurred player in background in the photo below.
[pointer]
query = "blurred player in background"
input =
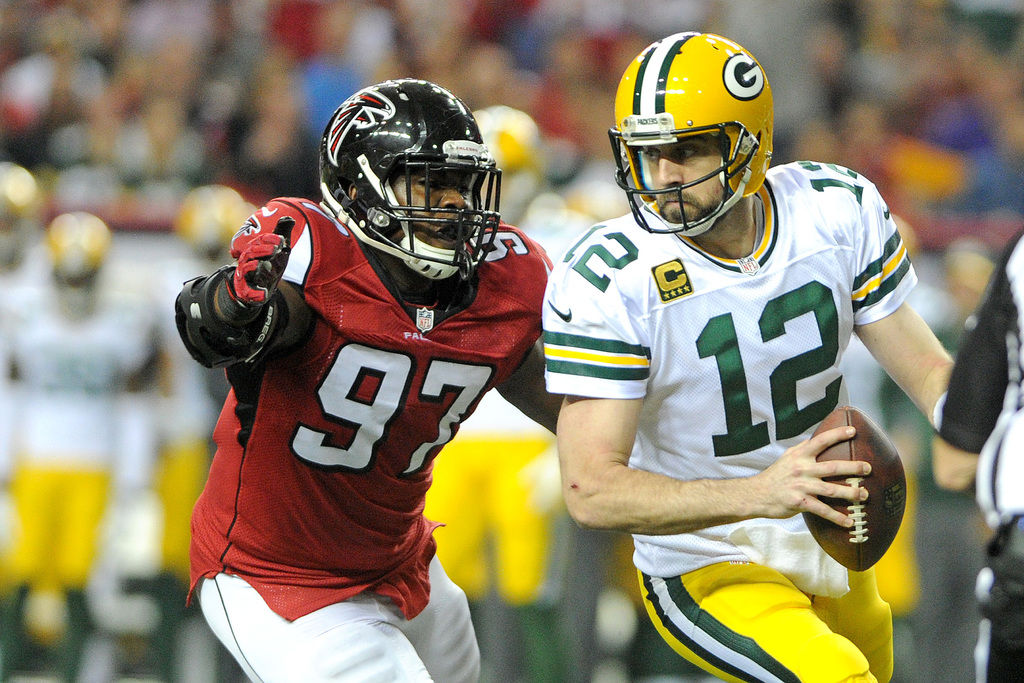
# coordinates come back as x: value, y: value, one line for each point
x: 514, y: 139
x: 697, y: 340
x: 496, y: 488
x: 21, y: 232
x: 82, y: 440
x: 21, y: 264
x: 947, y: 561
x: 191, y: 396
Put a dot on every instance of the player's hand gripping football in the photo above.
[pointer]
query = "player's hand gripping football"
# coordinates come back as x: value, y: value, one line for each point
x: 796, y: 481
x: 261, y: 263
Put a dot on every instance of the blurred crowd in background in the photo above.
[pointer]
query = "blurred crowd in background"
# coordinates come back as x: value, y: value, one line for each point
x: 122, y: 108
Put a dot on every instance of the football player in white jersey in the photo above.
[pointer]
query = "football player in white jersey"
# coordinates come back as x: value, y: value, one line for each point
x: 21, y: 200
x: 80, y: 436
x: 209, y: 216
x: 499, y: 513
x: 697, y: 342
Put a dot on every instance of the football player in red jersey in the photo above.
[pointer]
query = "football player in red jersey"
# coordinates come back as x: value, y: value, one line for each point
x: 357, y: 334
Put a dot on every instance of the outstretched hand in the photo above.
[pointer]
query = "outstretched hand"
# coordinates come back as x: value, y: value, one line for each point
x: 795, y: 481
x: 261, y: 261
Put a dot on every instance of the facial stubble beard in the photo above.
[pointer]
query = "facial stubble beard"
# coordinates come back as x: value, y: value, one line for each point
x: 673, y: 212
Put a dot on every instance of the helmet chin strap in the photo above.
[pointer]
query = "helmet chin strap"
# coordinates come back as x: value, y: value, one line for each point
x: 429, y: 269
x: 703, y: 225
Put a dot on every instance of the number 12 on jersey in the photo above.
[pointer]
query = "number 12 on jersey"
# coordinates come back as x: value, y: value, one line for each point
x: 719, y: 340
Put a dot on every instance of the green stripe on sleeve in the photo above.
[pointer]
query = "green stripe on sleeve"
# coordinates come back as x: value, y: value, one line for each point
x: 875, y: 267
x: 563, y: 367
x: 885, y: 287
x: 590, y: 343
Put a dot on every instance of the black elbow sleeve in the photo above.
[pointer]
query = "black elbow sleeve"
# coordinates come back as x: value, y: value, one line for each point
x: 215, y: 342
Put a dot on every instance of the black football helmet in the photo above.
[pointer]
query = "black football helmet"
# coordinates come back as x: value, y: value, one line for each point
x: 403, y: 128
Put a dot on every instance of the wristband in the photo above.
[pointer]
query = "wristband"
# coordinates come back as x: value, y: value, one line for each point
x: 234, y: 310
x: 214, y: 340
x: 937, y: 411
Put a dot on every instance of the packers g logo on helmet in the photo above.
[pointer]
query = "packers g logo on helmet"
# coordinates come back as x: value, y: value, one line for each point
x: 683, y: 85
x: 743, y: 77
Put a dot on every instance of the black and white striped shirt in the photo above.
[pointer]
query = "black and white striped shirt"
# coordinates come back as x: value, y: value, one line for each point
x: 984, y: 410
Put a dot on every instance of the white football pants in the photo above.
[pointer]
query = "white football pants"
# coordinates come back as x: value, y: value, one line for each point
x: 365, y: 638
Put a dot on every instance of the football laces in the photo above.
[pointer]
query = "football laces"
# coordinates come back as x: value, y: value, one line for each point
x: 859, y: 530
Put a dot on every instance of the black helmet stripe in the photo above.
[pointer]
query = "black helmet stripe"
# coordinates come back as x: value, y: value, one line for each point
x: 637, y: 89
x: 648, y: 95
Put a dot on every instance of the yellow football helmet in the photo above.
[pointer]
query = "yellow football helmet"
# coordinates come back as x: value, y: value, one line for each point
x: 692, y: 84
x: 209, y: 217
x: 20, y: 204
x: 77, y: 244
x: 514, y: 140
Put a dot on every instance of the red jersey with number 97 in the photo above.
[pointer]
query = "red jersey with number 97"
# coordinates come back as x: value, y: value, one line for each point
x: 324, y: 455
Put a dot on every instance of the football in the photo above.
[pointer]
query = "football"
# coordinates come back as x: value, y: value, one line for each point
x: 877, y: 519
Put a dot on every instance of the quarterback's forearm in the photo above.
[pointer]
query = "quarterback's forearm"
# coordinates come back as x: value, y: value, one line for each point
x: 905, y: 346
x: 595, y: 437
x: 935, y: 385
x: 620, y: 498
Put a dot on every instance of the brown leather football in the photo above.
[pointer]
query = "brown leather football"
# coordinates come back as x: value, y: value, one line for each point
x: 876, y: 520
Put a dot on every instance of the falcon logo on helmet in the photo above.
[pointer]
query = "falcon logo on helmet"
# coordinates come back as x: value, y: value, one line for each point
x: 365, y: 109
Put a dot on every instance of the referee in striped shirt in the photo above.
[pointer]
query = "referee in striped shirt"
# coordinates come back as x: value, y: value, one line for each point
x: 981, y: 440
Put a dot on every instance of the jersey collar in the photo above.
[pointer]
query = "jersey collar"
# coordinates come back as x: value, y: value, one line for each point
x: 764, y: 248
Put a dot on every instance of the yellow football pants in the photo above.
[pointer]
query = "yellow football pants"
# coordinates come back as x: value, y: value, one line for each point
x: 747, y: 622
x: 479, y: 493
x: 897, y: 572
x: 59, y: 514
x: 179, y: 478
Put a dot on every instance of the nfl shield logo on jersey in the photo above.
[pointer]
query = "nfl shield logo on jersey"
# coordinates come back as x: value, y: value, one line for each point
x: 424, y: 319
x: 749, y: 265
